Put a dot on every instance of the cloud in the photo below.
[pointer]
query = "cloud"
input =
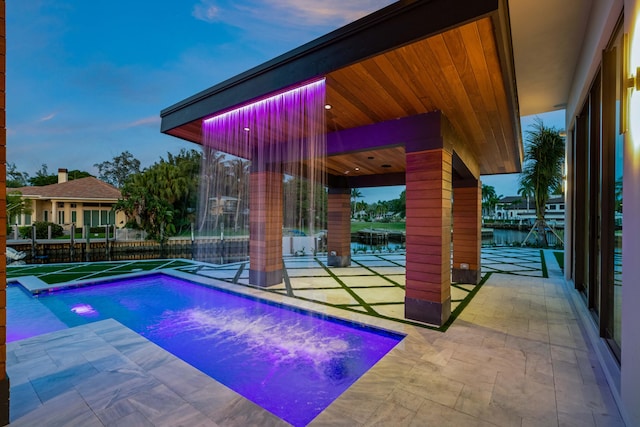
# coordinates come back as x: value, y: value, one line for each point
x: 206, y: 11
x: 47, y: 118
x: 313, y: 12
x: 145, y: 121
x: 282, y: 14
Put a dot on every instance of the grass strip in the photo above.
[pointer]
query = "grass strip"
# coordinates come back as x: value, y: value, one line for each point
x: 455, y: 313
x: 560, y: 258
x: 543, y: 263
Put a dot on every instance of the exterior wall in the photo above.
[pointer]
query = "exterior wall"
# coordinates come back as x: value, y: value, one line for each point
x: 51, y: 206
x: 630, y: 368
x: 625, y: 377
x: 554, y: 214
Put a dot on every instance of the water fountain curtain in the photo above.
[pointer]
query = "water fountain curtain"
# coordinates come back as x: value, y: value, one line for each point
x: 284, y: 133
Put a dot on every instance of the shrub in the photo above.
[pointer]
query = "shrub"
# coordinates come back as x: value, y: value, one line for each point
x: 42, y: 230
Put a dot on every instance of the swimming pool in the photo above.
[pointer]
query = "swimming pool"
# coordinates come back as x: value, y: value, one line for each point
x: 291, y: 362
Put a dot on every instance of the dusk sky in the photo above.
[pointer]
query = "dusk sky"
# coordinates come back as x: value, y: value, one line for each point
x: 87, y: 80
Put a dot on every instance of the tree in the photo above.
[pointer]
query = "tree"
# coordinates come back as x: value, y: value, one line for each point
x: 355, y: 195
x: 77, y: 174
x: 16, y: 206
x: 43, y: 177
x: 239, y: 177
x: 161, y: 199
x: 525, y: 190
x: 14, y: 178
x: 489, y: 198
x: 117, y: 171
x: 399, y: 205
x: 543, y: 169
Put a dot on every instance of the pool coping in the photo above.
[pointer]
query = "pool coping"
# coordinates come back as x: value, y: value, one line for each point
x: 37, y: 286
x: 34, y: 285
x: 95, y: 362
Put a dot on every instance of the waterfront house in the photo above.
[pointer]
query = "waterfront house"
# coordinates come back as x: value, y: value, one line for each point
x: 80, y: 202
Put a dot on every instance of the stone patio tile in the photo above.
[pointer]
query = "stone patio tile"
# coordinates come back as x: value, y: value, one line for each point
x: 67, y: 409
x: 132, y: 419
x: 381, y: 295
x: 434, y: 414
x: 181, y: 377
x: 525, y: 397
x: 395, y: 311
x: 515, y: 356
x: 390, y: 413
x: 331, y: 296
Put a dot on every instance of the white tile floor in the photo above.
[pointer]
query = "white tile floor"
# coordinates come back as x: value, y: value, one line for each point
x: 515, y: 356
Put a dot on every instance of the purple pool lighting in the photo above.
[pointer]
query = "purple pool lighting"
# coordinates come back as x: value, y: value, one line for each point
x: 291, y: 362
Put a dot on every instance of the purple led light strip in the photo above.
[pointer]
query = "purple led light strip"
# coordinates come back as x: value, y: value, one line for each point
x: 265, y: 101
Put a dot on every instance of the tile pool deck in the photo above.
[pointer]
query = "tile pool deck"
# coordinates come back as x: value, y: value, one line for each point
x: 515, y: 356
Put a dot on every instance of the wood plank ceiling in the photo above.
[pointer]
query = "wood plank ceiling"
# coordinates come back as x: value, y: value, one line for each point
x: 457, y: 72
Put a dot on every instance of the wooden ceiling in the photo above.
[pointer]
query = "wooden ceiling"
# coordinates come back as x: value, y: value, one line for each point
x: 464, y: 70
x: 457, y: 72
x: 370, y: 162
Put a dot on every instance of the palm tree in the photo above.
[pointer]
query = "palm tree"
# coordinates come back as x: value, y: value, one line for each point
x: 488, y: 197
x: 542, y: 172
x: 355, y: 194
x: 525, y: 190
x: 241, y: 170
x: 16, y: 206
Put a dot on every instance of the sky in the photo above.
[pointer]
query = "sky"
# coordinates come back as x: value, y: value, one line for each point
x: 87, y: 80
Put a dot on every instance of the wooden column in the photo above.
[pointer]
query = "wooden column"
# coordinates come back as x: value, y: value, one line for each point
x: 339, y: 227
x: 428, y: 265
x: 467, y: 233
x: 265, y: 228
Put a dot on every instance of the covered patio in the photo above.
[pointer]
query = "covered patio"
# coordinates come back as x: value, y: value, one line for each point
x: 421, y: 94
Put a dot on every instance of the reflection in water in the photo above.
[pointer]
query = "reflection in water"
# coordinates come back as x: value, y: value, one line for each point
x: 516, y: 237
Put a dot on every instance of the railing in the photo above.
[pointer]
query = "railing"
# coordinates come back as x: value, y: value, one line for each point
x: 54, y: 251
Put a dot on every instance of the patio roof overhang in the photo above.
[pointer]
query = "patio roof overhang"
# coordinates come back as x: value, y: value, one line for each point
x: 410, y: 58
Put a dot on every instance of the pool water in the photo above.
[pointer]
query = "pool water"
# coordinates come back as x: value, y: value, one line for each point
x: 291, y: 362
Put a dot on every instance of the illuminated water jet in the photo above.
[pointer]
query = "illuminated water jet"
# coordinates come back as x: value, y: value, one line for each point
x: 283, y: 135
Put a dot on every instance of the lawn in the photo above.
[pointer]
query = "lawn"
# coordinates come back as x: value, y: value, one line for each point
x: 60, y: 273
x: 390, y: 226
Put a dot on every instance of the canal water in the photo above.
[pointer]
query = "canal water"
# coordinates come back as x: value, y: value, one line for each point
x: 499, y: 237
x: 516, y: 237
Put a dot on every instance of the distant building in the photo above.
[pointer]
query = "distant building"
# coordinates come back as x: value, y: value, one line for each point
x: 83, y: 202
x: 523, y: 211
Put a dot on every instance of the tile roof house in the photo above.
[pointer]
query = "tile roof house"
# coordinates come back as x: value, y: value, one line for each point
x: 84, y: 201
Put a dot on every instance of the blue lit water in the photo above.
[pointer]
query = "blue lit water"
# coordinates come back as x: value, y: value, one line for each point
x: 290, y: 362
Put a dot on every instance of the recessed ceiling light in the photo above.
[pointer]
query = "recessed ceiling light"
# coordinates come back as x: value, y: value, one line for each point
x: 357, y: 169
x: 370, y: 157
x: 346, y: 172
x: 327, y: 107
x: 385, y: 166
